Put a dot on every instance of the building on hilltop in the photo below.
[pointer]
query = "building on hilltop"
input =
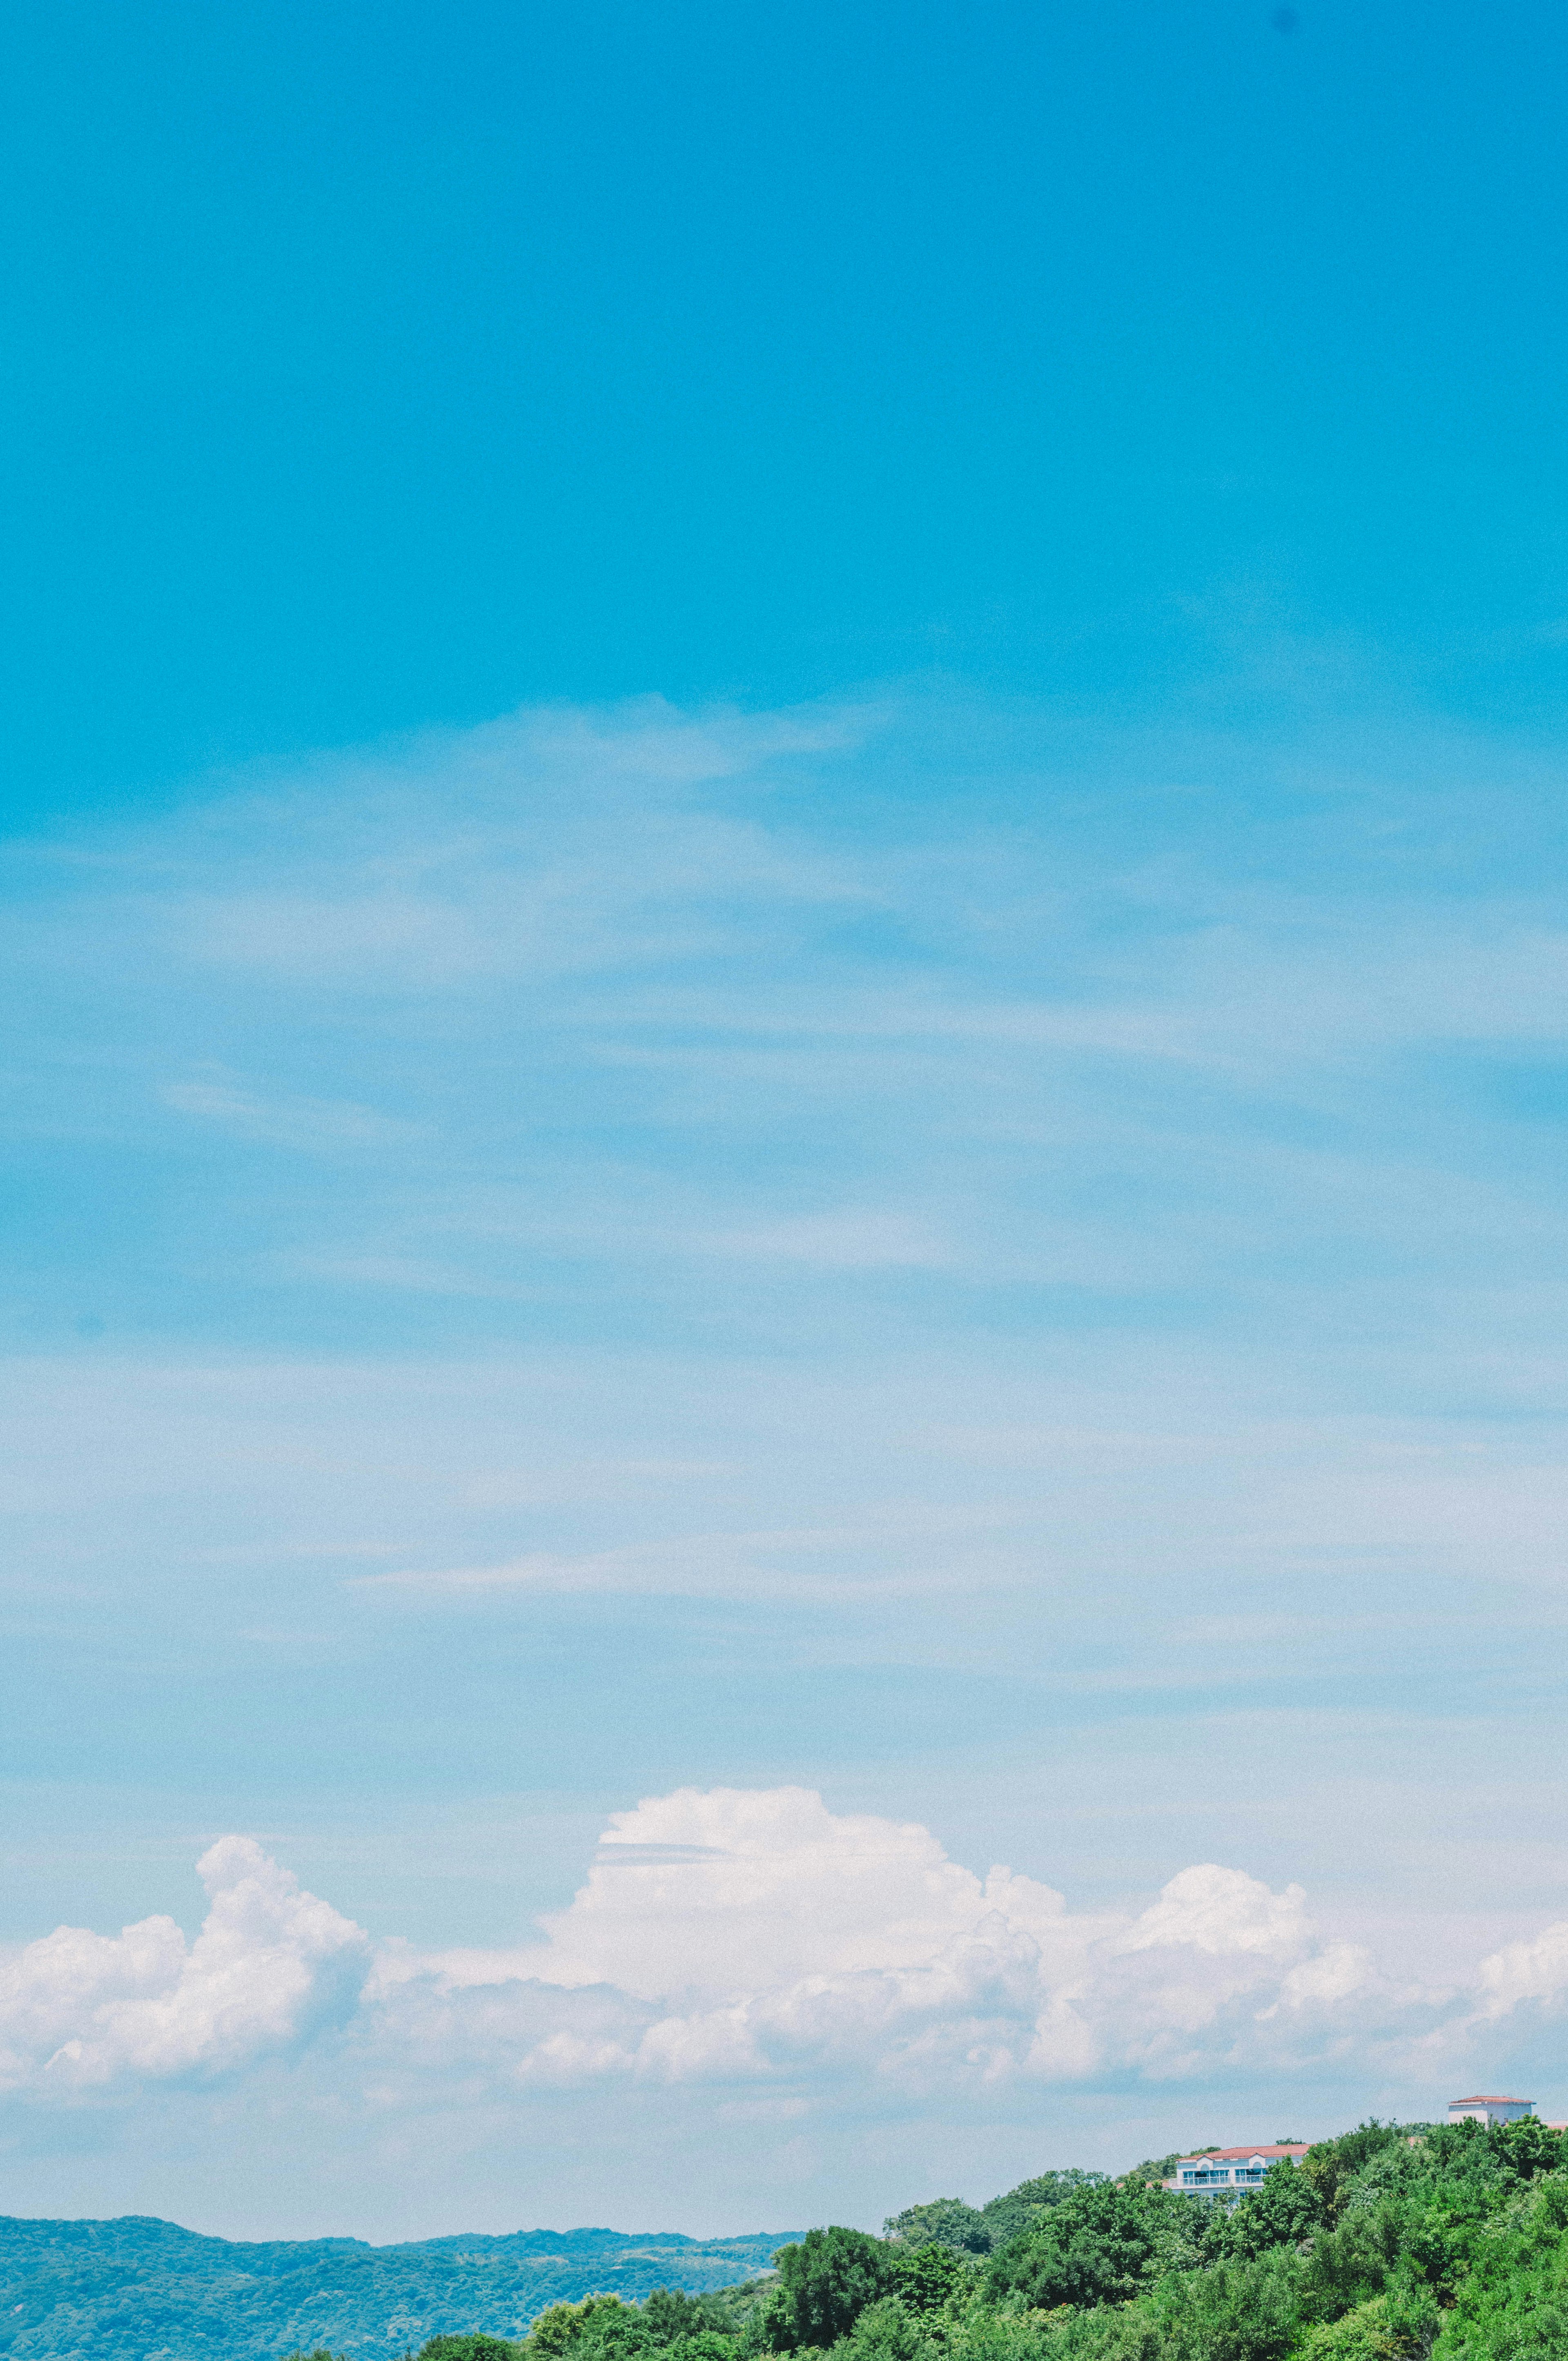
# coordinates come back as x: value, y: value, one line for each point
x: 1231, y: 2168
x: 1489, y: 2111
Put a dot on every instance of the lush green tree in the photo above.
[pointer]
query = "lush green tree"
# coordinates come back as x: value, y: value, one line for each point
x: 704, y: 2344
x: 1101, y: 2244
x: 1512, y: 2298
x: 824, y: 2284
x: 926, y: 2278
x: 745, y: 2313
x: 942, y: 2222
x: 1284, y: 2209
x: 670, y: 2312
x: 1353, y: 2261
x: 565, y: 2324
x: 1435, y: 2243
x: 1243, y: 2309
x: 472, y: 2345
x: 1395, y: 2327
x: 1330, y: 2165
x: 1528, y: 2147
x: 618, y: 2334
x: 987, y: 2335
x: 885, y: 2331
x: 1006, y: 2217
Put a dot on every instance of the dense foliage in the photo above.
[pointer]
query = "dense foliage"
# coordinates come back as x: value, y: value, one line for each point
x: 980, y: 2229
x: 139, y: 2289
x: 1445, y: 2242
x: 1434, y: 2243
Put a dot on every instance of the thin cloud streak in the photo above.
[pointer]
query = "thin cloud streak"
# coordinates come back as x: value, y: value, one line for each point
x: 891, y: 1239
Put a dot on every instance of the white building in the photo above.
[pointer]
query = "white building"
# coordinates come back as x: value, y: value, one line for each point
x: 1489, y: 2111
x: 1230, y: 2167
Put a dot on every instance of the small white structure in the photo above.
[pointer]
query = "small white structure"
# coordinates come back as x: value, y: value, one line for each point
x: 1489, y: 2111
x: 1230, y: 2167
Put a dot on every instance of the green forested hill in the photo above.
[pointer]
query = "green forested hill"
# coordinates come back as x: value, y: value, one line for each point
x: 1412, y: 2243
x: 139, y: 2289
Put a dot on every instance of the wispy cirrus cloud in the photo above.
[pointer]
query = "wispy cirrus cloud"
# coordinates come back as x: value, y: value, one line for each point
x: 841, y: 1241
x: 316, y: 1125
x: 821, y: 1563
x: 1045, y: 1236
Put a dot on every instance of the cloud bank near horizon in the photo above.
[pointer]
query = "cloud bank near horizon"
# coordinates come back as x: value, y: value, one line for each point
x: 753, y: 1938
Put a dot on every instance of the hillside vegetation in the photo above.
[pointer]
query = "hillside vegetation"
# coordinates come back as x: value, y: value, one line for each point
x: 1388, y: 2245
x: 139, y: 2289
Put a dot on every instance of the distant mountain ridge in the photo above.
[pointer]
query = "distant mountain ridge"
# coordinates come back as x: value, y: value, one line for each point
x: 137, y: 2289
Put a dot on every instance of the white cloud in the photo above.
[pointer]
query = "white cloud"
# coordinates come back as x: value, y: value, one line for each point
x: 726, y: 1892
x: 706, y: 1040
x: 1534, y: 1970
x: 313, y: 1125
x: 752, y: 1934
x: 694, y: 1565
x: 1328, y: 1976
x: 548, y: 844
x: 740, y: 1934
x: 1221, y: 1912
x: 841, y: 1241
x: 271, y: 1966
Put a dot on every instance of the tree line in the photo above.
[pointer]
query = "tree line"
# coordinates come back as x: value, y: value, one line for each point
x: 1442, y: 2242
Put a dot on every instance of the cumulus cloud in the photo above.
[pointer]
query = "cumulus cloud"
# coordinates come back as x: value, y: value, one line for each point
x: 1222, y: 1912
x: 753, y: 1936
x: 726, y: 1892
x: 271, y: 1966
x: 1534, y: 1970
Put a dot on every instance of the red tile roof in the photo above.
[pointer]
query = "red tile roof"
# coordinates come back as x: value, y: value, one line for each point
x: 1261, y: 2147
x: 1489, y: 2099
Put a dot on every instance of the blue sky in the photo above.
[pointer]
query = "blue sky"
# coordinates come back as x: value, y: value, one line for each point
x: 783, y: 919
x: 361, y: 377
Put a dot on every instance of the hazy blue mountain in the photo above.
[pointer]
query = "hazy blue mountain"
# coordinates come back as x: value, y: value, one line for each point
x: 141, y: 2290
